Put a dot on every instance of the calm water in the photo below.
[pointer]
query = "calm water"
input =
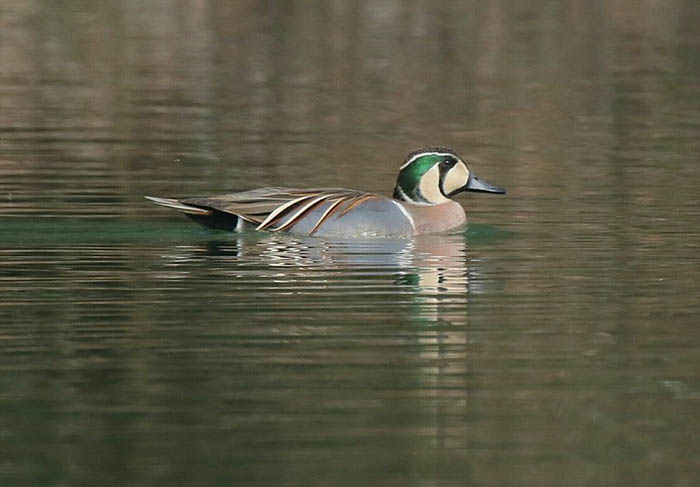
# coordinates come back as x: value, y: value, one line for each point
x: 555, y: 342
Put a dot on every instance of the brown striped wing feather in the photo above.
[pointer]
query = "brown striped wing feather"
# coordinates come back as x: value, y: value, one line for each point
x: 279, y: 209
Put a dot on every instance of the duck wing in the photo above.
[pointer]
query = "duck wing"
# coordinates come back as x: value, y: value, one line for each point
x: 271, y: 209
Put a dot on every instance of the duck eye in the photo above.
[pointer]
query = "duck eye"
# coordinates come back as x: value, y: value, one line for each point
x: 448, y: 163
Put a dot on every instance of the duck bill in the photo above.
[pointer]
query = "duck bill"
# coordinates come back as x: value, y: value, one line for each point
x: 477, y: 185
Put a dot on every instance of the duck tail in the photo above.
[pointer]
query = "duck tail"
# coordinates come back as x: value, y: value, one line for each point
x: 208, y: 217
x: 176, y: 205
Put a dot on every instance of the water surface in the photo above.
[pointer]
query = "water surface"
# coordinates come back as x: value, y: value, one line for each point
x: 554, y: 342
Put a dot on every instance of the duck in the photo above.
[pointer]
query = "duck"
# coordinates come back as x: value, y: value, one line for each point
x: 421, y: 203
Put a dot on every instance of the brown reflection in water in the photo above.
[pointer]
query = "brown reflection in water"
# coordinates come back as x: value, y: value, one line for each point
x: 193, y: 97
x: 581, y: 364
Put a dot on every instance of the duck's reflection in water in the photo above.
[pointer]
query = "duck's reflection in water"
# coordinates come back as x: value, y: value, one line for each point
x: 427, y: 275
x: 424, y: 278
x: 382, y: 311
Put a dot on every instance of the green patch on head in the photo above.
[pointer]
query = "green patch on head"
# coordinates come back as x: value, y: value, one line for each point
x: 410, y: 176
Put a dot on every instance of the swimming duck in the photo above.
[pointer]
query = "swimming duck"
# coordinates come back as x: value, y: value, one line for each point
x: 421, y: 203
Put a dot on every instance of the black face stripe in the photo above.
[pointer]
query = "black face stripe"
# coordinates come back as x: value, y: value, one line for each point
x: 445, y: 166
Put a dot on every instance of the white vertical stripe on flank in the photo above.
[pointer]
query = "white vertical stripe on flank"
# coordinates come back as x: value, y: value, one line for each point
x: 406, y: 214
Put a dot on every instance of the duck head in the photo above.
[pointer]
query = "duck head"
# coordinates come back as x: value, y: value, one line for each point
x: 434, y: 175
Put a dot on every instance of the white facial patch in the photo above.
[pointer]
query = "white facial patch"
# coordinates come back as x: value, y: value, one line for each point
x: 430, y: 186
x: 455, y: 178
